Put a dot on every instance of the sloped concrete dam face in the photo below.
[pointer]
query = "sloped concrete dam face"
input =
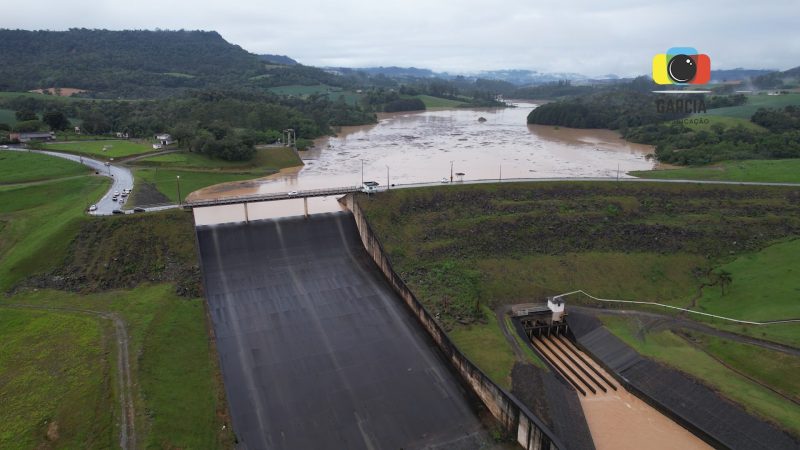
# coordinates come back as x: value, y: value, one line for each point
x: 316, y: 350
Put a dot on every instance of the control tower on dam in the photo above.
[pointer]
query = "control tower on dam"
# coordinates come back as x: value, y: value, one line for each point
x: 316, y: 349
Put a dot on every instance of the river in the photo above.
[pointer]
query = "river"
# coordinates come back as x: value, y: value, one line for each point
x: 416, y: 147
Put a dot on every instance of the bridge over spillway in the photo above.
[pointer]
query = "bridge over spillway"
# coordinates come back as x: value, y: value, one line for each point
x: 316, y: 349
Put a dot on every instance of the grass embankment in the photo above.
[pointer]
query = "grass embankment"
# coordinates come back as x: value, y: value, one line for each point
x: 464, y: 247
x: 37, y: 223
x: 769, y: 170
x: 55, y: 381
x: 179, y: 401
x: 104, y: 149
x: 265, y: 161
x: 60, y: 367
x: 199, y: 171
x: 165, y: 181
x: 768, y: 367
x: 19, y: 167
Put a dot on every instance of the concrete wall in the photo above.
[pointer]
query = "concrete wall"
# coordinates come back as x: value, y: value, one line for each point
x: 530, y: 431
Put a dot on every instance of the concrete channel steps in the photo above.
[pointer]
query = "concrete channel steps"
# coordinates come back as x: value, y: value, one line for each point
x: 585, y: 375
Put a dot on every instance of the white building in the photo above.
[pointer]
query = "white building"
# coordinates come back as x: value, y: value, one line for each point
x: 164, y: 139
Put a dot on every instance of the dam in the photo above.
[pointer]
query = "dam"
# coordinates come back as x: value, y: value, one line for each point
x: 316, y: 349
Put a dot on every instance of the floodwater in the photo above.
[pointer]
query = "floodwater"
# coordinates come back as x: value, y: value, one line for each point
x: 617, y: 419
x: 419, y: 147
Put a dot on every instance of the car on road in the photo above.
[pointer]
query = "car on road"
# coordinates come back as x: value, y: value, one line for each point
x: 108, y: 163
x: 292, y: 193
x: 139, y: 209
x: 445, y: 180
x: 368, y: 187
x: 117, y: 211
x: 93, y: 208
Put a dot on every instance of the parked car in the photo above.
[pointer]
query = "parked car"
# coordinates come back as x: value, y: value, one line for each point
x: 117, y: 211
x: 445, y: 180
x: 138, y: 209
x: 93, y: 208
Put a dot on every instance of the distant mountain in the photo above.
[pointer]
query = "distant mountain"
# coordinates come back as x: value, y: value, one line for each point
x: 778, y: 80
x: 719, y: 76
x: 121, y: 63
x: 278, y: 59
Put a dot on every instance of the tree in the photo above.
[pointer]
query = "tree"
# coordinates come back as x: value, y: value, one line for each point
x: 56, y: 120
x: 724, y: 278
x: 25, y: 115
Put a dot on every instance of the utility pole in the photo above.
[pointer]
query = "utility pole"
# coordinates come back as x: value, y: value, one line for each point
x: 178, y: 182
x: 388, y: 186
x: 501, y: 172
x: 451, y: 171
x: 617, y: 171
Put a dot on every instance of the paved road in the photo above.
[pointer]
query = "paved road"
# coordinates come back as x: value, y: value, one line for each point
x: 122, y: 177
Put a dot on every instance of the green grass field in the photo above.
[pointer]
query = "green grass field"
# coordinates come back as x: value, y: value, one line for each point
x: 767, y: 170
x: 766, y: 286
x: 436, y: 102
x: 19, y: 167
x: 104, y: 149
x: 180, y: 391
x: 165, y: 180
x: 754, y: 102
x: 332, y: 92
x: 668, y: 348
x: 485, y: 345
x: 726, y: 121
x: 266, y: 161
x: 38, y: 221
x: 55, y: 381
x: 8, y: 116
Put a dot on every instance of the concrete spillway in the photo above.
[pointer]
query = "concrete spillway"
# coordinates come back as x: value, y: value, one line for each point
x: 316, y: 350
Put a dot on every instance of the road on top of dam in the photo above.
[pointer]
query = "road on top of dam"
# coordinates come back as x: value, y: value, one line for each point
x: 317, y: 351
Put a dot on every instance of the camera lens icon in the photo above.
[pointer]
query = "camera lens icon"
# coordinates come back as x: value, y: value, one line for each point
x: 681, y: 65
x: 681, y: 69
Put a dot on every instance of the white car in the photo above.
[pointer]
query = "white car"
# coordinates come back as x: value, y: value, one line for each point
x: 93, y: 208
x: 291, y: 193
x: 445, y: 180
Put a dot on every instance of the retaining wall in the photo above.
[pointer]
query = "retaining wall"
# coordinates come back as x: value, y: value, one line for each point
x: 531, y: 432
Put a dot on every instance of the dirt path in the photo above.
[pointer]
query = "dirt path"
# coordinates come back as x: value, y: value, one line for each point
x: 127, y: 433
x: 654, y: 322
x: 500, y: 314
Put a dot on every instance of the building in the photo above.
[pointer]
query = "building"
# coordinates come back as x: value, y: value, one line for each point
x: 164, y: 139
x: 34, y: 136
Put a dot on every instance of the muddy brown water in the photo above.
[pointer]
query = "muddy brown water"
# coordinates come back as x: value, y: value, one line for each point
x: 419, y: 147
x: 617, y: 419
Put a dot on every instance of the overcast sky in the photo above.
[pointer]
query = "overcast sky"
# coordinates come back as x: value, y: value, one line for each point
x: 593, y: 37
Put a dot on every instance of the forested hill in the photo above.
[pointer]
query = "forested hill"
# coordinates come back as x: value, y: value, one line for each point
x: 133, y: 63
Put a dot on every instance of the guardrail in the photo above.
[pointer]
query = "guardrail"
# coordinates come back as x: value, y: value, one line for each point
x: 349, y: 189
x: 273, y: 196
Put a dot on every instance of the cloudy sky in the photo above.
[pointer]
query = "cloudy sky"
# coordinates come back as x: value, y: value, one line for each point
x: 593, y: 37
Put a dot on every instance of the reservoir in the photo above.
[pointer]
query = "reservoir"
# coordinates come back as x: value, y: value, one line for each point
x: 419, y: 147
